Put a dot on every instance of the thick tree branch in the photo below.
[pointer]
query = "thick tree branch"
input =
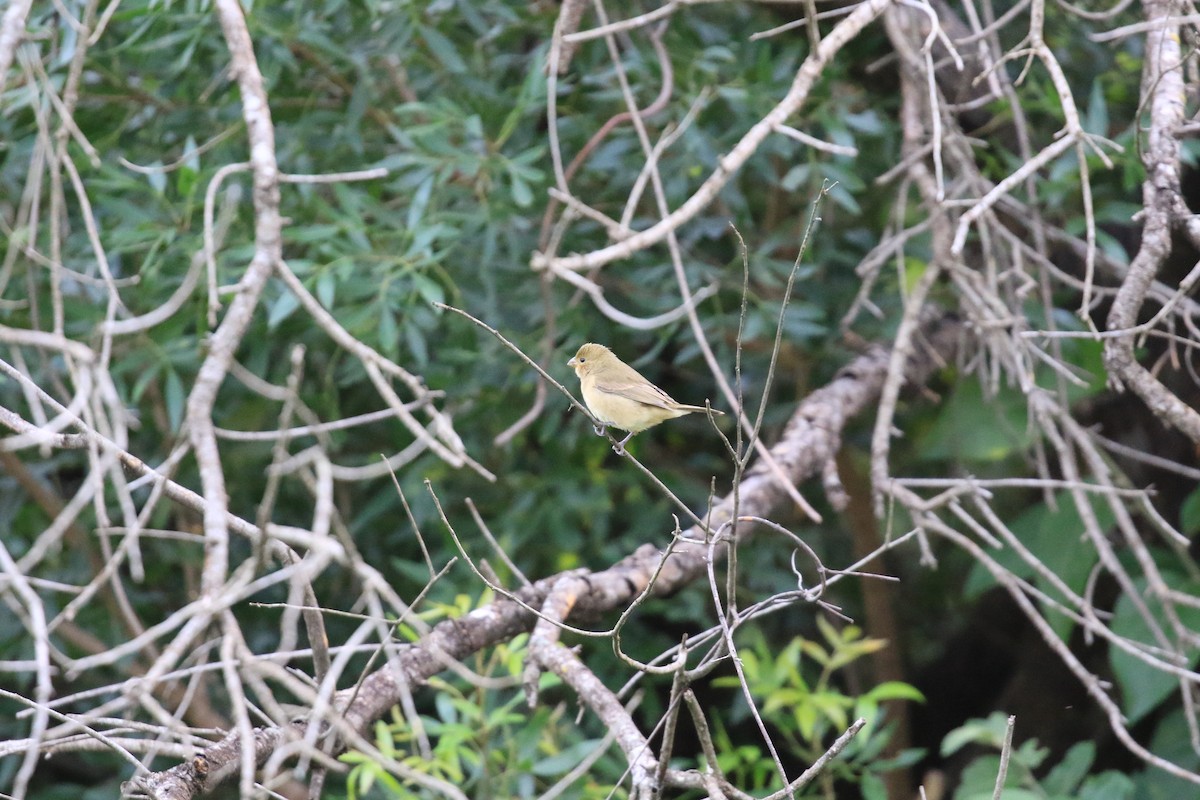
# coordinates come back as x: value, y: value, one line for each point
x: 810, y: 440
x: 1164, y: 210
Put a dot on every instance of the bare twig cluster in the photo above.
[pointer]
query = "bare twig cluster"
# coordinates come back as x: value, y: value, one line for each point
x: 990, y: 241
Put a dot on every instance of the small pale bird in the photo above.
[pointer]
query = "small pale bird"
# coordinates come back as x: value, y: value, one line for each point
x: 619, y: 396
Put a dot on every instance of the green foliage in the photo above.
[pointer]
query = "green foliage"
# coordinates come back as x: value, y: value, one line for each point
x: 1171, y: 741
x: 1029, y: 775
x: 483, y: 741
x: 1144, y: 686
x: 809, y: 710
x: 970, y: 429
x: 989, y: 428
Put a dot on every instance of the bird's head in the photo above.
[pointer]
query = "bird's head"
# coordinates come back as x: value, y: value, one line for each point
x: 588, y: 357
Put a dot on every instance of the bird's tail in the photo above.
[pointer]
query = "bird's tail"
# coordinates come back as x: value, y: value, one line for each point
x: 702, y: 410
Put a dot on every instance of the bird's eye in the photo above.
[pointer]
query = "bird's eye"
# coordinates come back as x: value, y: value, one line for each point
x: 582, y: 360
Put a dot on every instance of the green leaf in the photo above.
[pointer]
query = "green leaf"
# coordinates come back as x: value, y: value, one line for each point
x: 971, y: 427
x: 1067, y: 774
x: 1009, y: 793
x: 833, y: 706
x: 1108, y: 785
x: 384, y: 740
x: 806, y: 719
x: 564, y: 760
x: 1053, y: 534
x: 1144, y: 686
x: 839, y: 195
x: 989, y: 732
x: 389, y: 332
x: 176, y: 398
x: 420, y: 202
x: 979, y: 779
x: 1171, y: 741
x: 443, y: 49
x: 1096, y: 119
x: 430, y: 290
x: 872, y: 787
x: 185, y: 180
x: 326, y: 289
x: 521, y: 193
x: 895, y: 690
x: 282, y: 308
x: 1189, y: 514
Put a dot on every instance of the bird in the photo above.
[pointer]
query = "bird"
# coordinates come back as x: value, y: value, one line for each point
x: 618, y: 395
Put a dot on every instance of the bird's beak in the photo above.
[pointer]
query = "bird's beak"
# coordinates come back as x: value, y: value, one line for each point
x: 571, y: 363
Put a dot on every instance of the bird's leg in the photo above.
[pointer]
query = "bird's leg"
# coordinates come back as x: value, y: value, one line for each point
x: 619, y: 447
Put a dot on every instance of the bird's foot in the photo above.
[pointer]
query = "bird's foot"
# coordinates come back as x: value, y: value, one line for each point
x: 599, y: 429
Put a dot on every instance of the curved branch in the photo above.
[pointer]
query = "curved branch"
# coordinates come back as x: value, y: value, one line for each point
x: 729, y: 164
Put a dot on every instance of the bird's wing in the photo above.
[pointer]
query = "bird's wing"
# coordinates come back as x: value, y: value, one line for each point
x: 642, y: 392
